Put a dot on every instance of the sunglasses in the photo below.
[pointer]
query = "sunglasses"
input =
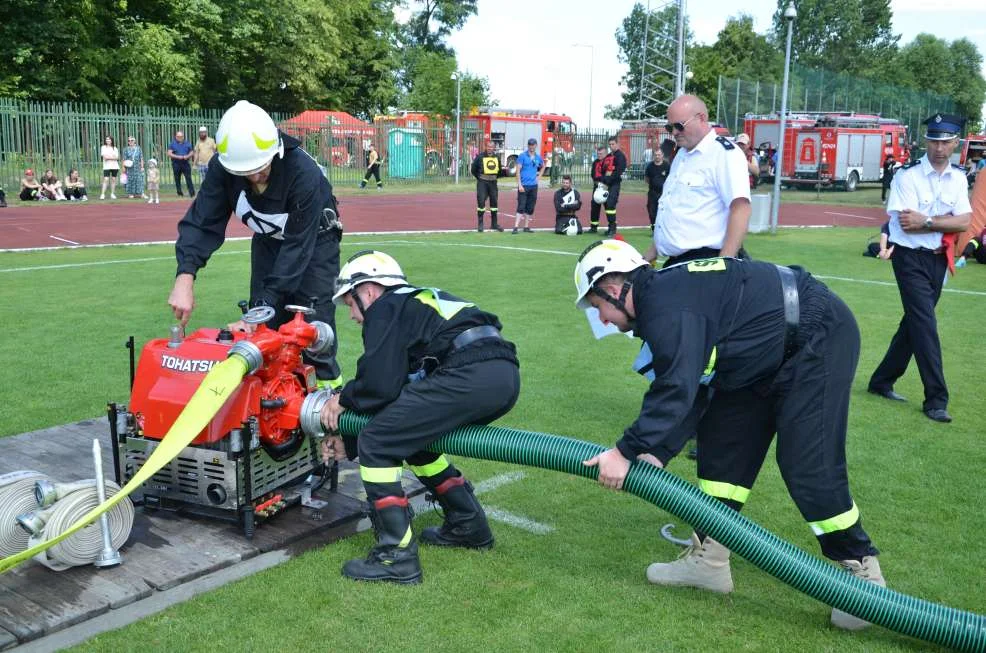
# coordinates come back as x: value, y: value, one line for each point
x: 680, y: 126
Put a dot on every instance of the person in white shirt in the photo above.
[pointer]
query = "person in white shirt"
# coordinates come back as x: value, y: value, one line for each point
x: 705, y: 208
x: 928, y: 199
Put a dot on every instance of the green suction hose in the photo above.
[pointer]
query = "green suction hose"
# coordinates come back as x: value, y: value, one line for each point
x: 964, y: 631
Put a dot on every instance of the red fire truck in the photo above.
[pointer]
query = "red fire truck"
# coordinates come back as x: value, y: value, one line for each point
x: 509, y: 129
x: 843, y: 151
x: 639, y: 138
x: 972, y: 147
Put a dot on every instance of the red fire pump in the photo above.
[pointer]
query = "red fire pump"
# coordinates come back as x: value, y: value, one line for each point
x: 250, y: 461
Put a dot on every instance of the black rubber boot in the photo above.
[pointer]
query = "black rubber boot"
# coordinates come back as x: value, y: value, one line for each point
x: 593, y: 228
x: 465, y: 522
x: 611, y: 229
x: 394, y: 558
x: 479, y: 226
x: 495, y: 226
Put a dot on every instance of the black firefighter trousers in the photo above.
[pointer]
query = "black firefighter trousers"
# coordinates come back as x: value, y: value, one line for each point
x: 807, y: 406
x: 318, y: 282
x: 450, y: 397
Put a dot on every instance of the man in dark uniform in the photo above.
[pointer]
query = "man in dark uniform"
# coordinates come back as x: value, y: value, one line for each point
x: 567, y: 203
x: 598, y: 172
x: 928, y: 198
x: 889, y: 166
x: 279, y: 192
x: 614, y: 167
x: 486, y: 170
x: 655, y: 173
x: 740, y: 350
x: 431, y: 363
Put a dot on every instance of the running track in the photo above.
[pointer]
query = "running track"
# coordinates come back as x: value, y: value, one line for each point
x: 93, y: 223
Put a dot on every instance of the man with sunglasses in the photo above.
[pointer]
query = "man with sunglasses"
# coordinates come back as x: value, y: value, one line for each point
x: 705, y: 208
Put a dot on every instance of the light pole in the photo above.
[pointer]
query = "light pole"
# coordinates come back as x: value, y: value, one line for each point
x: 790, y: 13
x: 684, y: 82
x: 592, y: 61
x: 458, y: 116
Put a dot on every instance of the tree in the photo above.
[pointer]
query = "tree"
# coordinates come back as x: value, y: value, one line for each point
x: 848, y: 36
x: 968, y: 85
x: 661, y: 31
x: 434, y: 20
x: 433, y: 88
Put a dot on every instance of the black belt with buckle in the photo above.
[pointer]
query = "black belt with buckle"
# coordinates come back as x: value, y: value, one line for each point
x: 470, y: 336
x: 792, y: 311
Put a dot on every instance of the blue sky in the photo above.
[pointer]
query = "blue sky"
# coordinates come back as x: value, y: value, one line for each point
x: 525, y: 47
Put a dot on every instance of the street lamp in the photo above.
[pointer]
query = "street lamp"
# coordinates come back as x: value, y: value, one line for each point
x: 684, y: 83
x: 457, y: 77
x: 790, y: 13
x: 592, y: 61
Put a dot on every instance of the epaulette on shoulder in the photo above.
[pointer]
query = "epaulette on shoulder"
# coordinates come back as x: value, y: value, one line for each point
x: 725, y: 142
x: 910, y: 164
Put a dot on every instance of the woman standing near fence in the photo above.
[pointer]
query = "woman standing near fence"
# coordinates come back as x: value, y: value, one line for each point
x: 111, y: 166
x: 133, y: 163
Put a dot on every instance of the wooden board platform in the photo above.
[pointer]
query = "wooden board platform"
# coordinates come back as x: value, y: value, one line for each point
x: 164, y: 549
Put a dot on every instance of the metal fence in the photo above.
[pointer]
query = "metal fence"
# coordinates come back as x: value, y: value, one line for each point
x: 814, y: 90
x: 60, y: 136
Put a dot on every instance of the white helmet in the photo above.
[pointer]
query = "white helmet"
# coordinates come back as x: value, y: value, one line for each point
x: 600, y: 259
x: 600, y: 195
x: 573, y: 227
x: 247, y: 139
x: 368, y: 265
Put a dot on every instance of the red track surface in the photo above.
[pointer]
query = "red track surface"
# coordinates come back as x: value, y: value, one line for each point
x: 93, y: 223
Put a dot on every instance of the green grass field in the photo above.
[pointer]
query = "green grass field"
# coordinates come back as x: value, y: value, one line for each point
x: 581, y: 587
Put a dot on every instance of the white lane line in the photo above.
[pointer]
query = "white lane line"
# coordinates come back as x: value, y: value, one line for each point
x: 894, y: 285
x: 517, y: 521
x: 64, y: 240
x: 494, y: 482
x: 853, y: 215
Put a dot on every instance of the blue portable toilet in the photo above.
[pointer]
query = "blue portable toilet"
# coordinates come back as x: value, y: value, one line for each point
x: 405, y: 153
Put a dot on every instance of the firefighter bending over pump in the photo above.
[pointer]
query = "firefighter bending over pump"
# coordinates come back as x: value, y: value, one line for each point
x: 432, y: 362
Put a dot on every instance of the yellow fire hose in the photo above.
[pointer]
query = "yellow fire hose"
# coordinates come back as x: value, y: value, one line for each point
x: 216, y: 388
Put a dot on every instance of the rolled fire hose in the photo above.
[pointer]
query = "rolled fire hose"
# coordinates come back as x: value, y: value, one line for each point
x: 85, y: 545
x: 16, y: 497
x: 964, y: 631
x: 215, y: 389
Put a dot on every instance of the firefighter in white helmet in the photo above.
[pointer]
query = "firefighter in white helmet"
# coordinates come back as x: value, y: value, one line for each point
x: 279, y: 191
x: 431, y: 363
x: 736, y: 351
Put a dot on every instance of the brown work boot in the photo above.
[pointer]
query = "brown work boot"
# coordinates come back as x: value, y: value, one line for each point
x: 704, y: 565
x: 868, y: 569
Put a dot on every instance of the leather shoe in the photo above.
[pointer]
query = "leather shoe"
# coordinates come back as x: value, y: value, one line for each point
x: 938, y: 414
x: 887, y: 394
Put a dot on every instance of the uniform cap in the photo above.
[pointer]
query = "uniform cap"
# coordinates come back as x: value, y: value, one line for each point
x: 943, y: 127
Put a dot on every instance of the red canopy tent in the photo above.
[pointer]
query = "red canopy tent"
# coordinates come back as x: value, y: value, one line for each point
x: 330, y: 132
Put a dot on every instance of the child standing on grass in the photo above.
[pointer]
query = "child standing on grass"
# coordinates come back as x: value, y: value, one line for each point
x: 153, y: 182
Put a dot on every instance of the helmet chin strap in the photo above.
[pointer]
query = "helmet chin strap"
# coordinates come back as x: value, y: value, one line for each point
x: 620, y: 302
x: 358, y: 301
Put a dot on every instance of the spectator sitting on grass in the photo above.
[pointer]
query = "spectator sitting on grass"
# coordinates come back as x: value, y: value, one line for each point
x: 75, y: 187
x: 30, y: 188
x: 51, y: 186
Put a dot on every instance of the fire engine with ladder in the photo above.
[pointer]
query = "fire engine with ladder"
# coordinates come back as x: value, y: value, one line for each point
x: 843, y: 151
x: 509, y: 130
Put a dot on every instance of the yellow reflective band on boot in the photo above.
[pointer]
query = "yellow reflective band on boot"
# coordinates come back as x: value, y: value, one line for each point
x: 721, y: 490
x: 837, y: 523
x: 432, y: 468
x: 406, y: 540
x: 380, y: 474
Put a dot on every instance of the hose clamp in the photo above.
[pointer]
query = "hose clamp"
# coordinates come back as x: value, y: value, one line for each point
x: 250, y: 353
x: 324, y: 340
x: 310, y: 416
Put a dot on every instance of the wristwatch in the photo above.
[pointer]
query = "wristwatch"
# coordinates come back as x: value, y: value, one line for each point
x: 929, y: 222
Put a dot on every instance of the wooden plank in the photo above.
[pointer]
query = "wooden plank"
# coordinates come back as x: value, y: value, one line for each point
x: 57, y: 592
x: 22, y: 617
x: 7, y: 640
x: 209, y: 538
x: 299, y: 522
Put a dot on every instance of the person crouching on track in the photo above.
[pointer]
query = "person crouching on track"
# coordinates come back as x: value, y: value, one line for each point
x: 567, y: 203
x: 432, y: 362
x: 740, y: 350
